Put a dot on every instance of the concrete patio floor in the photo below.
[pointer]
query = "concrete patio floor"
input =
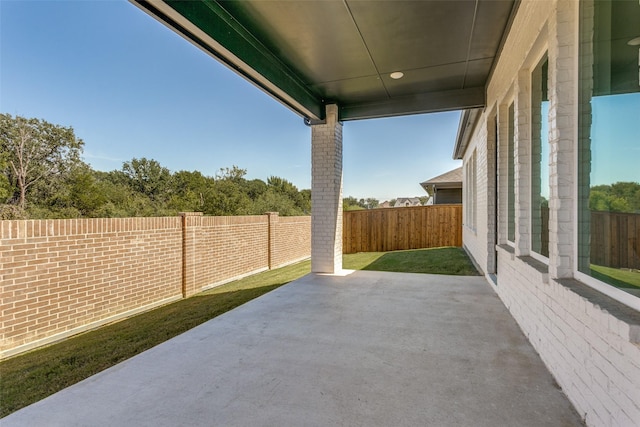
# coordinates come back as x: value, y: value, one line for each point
x: 359, y: 349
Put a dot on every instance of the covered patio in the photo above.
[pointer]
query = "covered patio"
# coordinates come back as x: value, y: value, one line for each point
x: 337, y: 61
x: 366, y: 348
x: 355, y: 348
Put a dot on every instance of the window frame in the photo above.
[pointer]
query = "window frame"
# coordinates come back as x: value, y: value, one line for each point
x: 511, y: 173
x: 605, y: 288
x: 541, y: 59
x: 470, y: 189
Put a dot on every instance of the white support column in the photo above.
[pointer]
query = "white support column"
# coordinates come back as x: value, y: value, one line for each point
x: 522, y: 163
x: 562, y: 137
x: 326, y: 194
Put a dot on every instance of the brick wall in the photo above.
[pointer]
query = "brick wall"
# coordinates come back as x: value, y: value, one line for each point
x: 474, y: 233
x: 292, y: 240
x: 231, y: 247
x: 590, y: 343
x: 326, y: 193
x: 60, y: 277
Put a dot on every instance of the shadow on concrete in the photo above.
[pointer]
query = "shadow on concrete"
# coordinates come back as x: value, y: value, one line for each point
x: 364, y: 349
x: 448, y: 260
x: 35, y: 375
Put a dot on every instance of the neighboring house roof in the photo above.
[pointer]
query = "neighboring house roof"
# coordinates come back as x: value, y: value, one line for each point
x: 407, y: 201
x: 451, y: 179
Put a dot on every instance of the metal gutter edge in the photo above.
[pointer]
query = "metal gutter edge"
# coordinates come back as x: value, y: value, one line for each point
x: 467, y: 124
x: 178, y: 16
x: 469, y: 118
x: 503, y: 40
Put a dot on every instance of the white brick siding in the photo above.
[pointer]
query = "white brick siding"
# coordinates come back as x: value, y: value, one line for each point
x: 589, y: 342
x: 563, y: 52
x: 326, y: 194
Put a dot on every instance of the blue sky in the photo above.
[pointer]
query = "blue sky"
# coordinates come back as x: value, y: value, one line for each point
x: 130, y: 87
x: 617, y: 118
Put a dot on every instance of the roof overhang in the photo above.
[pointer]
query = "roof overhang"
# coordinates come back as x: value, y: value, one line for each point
x: 448, y: 180
x: 466, y: 126
x: 456, y: 184
x: 308, y: 54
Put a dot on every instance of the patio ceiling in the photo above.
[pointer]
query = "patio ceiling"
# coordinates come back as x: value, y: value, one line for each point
x: 311, y: 53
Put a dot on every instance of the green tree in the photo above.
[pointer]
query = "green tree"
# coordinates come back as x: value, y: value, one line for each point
x: 226, y: 195
x: 122, y: 200
x: 372, y: 203
x: 287, y: 189
x: 351, y: 204
x: 603, y: 201
x: 234, y: 174
x: 5, y: 188
x: 226, y: 198
x: 630, y: 192
x: 188, y: 191
x: 34, y: 151
x: 255, y: 188
x: 274, y: 201
x: 86, y: 193
x: 306, y: 196
x: 148, y: 177
x: 616, y: 197
x: 71, y: 195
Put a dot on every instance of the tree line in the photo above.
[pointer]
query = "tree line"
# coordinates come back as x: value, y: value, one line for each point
x: 42, y: 175
x: 617, y: 197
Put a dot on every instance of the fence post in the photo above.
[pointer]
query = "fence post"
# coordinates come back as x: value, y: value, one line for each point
x: 273, y: 224
x: 191, y: 223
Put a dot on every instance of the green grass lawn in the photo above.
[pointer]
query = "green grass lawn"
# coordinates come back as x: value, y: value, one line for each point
x: 616, y: 276
x: 447, y: 260
x: 32, y: 376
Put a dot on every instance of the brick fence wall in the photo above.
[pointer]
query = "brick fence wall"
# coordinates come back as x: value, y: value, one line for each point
x: 292, y: 240
x: 60, y: 277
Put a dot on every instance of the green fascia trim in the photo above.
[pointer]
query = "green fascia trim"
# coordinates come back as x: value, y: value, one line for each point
x: 416, y: 104
x: 210, y: 17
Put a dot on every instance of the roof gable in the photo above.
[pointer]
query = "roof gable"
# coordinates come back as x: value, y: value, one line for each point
x: 452, y: 177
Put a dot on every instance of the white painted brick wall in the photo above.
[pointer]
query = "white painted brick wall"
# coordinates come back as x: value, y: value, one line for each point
x: 502, y: 167
x: 522, y: 164
x: 562, y: 116
x: 475, y: 239
x: 489, y: 191
x: 593, y: 352
x: 326, y: 194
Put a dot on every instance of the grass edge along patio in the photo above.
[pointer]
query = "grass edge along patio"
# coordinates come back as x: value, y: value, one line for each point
x: 34, y: 375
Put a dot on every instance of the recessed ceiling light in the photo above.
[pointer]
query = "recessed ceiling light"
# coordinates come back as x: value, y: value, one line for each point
x: 396, y: 75
x: 634, y: 42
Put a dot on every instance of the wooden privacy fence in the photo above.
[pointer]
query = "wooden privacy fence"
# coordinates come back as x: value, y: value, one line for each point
x: 615, y: 239
x: 390, y: 229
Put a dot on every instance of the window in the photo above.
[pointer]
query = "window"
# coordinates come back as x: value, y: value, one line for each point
x: 609, y: 143
x: 511, y: 193
x: 470, y: 189
x: 474, y: 192
x: 540, y: 160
